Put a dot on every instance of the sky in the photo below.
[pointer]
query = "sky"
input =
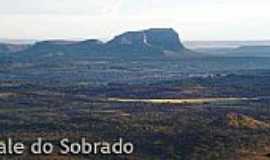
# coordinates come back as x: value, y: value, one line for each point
x: 103, y: 19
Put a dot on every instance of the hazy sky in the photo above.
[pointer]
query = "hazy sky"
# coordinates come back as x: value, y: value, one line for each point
x: 193, y: 19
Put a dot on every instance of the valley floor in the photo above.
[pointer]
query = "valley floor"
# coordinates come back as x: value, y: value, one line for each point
x: 166, y: 112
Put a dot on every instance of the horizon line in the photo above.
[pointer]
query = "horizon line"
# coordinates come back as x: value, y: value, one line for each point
x: 34, y: 40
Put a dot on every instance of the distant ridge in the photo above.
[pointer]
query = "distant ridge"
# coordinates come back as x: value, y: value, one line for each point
x: 251, y: 51
x: 12, y: 48
x: 149, y: 42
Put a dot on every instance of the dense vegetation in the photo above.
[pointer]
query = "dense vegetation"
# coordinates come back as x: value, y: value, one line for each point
x: 60, y: 98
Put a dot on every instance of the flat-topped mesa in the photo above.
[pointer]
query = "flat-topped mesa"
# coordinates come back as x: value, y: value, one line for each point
x: 48, y: 47
x: 65, y: 47
x: 56, y: 42
x: 91, y: 42
x: 151, y: 42
x: 156, y: 41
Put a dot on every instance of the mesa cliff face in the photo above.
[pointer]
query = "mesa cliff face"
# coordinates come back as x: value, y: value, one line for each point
x: 166, y: 39
x: 151, y: 41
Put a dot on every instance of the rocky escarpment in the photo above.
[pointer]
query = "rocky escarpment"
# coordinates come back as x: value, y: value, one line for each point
x: 147, y: 42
